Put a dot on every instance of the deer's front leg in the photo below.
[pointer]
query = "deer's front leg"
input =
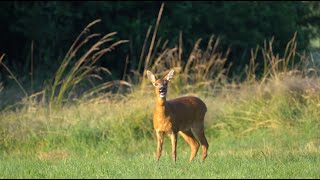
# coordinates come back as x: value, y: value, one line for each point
x: 159, y: 144
x: 173, y: 137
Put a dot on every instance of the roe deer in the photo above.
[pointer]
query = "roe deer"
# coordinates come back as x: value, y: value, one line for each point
x: 183, y: 115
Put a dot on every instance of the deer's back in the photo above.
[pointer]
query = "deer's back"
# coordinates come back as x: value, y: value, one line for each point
x: 188, y: 103
x: 187, y: 111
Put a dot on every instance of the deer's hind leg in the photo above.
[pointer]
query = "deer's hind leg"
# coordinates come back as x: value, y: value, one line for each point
x: 199, y: 131
x: 192, y: 141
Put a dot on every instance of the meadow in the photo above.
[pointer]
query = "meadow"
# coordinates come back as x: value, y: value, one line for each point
x: 257, y: 127
x: 115, y: 140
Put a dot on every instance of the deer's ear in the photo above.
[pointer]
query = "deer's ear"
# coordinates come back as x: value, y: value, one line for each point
x: 169, y: 76
x: 151, y: 77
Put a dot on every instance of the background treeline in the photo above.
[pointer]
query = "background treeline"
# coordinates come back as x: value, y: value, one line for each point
x: 42, y: 32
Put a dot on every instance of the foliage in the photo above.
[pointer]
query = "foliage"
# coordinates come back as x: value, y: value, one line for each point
x: 52, y: 25
x: 259, y: 127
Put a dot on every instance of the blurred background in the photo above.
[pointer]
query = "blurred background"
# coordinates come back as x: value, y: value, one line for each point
x: 75, y: 101
x: 44, y: 31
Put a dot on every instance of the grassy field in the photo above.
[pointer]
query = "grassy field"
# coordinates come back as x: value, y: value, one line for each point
x: 300, y: 165
x: 272, y: 157
x: 116, y: 140
x: 266, y: 127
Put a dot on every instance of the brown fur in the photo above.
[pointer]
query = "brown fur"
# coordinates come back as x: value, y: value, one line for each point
x: 183, y: 115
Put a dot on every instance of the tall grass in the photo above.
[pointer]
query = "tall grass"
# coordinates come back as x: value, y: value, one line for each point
x: 78, y: 65
x: 203, y: 70
x: 269, y: 119
x: 84, y: 67
x: 12, y: 75
x: 285, y: 97
x: 123, y: 123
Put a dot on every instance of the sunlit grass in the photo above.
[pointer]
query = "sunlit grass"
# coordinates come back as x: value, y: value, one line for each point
x: 261, y: 155
x: 263, y: 127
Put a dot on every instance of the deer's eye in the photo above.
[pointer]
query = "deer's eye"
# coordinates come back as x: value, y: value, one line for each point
x: 156, y: 84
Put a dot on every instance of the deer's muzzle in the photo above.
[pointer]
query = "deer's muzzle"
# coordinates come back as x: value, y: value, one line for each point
x: 162, y: 91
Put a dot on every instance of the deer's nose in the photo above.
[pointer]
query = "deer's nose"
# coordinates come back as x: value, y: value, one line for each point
x: 162, y: 89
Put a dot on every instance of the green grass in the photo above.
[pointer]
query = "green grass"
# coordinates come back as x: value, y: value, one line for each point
x: 252, y: 134
x: 140, y: 166
x: 115, y: 139
x: 260, y: 155
x: 266, y: 128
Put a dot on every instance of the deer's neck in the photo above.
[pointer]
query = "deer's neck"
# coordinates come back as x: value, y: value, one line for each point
x: 160, y: 105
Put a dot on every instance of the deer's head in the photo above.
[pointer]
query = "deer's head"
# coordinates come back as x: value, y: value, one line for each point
x: 161, y: 85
